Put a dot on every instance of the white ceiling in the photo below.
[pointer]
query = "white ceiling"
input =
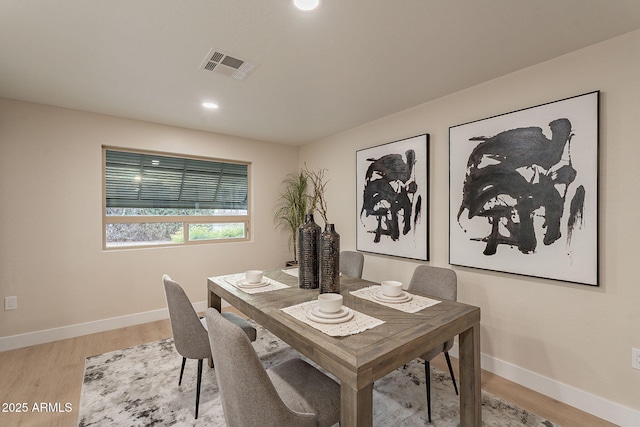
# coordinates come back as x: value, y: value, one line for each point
x: 321, y: 72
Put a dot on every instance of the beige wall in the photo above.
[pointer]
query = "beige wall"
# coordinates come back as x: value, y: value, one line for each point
x: 51, y: 253
x: 577, y: 335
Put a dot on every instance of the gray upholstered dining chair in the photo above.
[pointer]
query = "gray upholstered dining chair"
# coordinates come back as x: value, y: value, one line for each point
x: 440, y: 283
x: 351, y: 263
x: 189, y: 331
x: 291, y: 394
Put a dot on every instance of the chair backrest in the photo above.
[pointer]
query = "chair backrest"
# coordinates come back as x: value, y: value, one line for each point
x: 189, y: 335
x: 351, y: 263
x: 435, y: 281
x: 248, y: 396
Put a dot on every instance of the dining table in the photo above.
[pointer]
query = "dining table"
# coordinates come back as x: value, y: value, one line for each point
x: 391, y: 338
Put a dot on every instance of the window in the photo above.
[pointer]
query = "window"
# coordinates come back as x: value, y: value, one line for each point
x: 155, y: 199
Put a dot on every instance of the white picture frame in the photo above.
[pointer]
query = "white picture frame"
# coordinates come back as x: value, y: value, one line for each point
x: 523, y: 191
x: 393, y: 198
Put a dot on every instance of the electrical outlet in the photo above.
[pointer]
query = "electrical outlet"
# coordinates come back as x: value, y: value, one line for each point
x: 635, y: 358
x: 10, y: 303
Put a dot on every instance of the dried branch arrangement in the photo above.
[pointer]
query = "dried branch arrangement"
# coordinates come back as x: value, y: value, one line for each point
x: 318, y: 200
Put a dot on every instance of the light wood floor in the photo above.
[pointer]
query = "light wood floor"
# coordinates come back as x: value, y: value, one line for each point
x: 52, y: 373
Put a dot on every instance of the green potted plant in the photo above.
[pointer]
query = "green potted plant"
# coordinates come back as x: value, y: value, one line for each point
x: 291, y: 206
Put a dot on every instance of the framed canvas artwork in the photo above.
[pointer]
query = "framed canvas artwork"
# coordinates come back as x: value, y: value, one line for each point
x: 392, y: 199
x: 523, y: 191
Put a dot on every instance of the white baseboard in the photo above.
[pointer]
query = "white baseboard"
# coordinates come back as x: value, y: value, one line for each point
x: 572, y: 396
x: 71, y: 331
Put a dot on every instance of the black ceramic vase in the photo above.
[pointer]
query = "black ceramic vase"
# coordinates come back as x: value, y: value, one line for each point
x: 308, y: 254
x: 329, y: 260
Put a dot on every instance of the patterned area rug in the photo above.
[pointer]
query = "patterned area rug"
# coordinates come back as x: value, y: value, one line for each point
x: 138, y: 386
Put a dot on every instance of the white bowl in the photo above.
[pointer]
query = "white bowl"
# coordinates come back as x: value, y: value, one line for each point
x: 329, y: 302
x: 254, y: 276
x: 391, y: 288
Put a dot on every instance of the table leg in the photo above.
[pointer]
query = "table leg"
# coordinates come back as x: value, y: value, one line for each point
x: 214, y: 301
x: 470, y: 378
x: 356, y: 407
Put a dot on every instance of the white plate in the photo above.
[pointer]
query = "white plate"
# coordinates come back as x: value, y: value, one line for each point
x: 315, y: 318
x: 244, y: 284
x: 344, y: 311
x: 404, y: 297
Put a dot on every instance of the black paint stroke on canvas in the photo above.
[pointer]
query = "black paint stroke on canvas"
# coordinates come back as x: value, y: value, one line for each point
x: 518, y: 177
x: 389, y: 192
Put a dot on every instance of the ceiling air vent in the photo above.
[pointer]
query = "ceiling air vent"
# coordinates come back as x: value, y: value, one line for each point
x: 221, y: 62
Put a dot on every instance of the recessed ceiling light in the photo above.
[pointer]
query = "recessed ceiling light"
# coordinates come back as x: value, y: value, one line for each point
x: 306, y: 4
x: 210, y: 105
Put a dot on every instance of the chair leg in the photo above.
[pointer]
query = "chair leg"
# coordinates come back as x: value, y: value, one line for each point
x: 184, y: 360
x: 198, y: 386
x: 427, y: 375
x: 453, y: 377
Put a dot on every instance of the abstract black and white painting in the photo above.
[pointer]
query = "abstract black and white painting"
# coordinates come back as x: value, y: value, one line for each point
x: 524, y: 191
x: 392, y: 198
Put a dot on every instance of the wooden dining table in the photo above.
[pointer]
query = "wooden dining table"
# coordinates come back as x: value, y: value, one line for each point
x: 360, y: 359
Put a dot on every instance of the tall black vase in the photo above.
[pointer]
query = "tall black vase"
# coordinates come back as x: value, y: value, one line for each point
x: 329, y: 260
x: 308, y: 254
